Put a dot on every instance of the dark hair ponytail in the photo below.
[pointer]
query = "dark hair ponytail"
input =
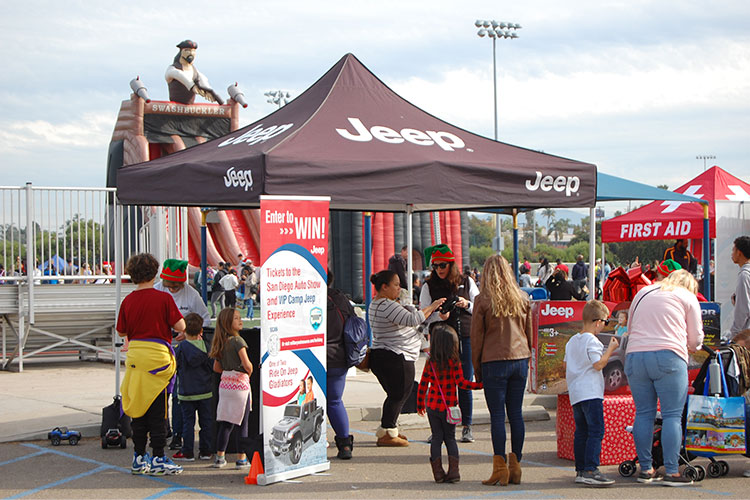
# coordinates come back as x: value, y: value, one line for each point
x: 443, y: 345
x: 382, y: 278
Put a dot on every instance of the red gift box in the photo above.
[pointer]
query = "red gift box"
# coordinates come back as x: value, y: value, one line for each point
x: 617, y: 445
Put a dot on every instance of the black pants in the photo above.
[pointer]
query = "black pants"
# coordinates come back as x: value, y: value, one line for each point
x: 152, y: 423
x: 442, y: 432
x: 396, y: 377
x: 230, y: 298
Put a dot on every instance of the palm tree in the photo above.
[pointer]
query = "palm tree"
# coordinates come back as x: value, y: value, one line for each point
x: 560, y: 227
x: 549, y: 213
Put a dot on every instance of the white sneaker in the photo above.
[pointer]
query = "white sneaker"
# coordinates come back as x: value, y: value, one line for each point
x: 746, y: 473
x: 161, y: 466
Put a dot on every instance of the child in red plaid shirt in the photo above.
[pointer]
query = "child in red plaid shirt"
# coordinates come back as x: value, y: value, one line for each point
x: 443, y: 374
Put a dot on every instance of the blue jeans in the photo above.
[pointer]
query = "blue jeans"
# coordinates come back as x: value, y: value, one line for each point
x: 663, y: 375
x: 504, y: 386
x: 336, y: 379
x: 205, y: 421
x: 587, y: 443
x: 465, y: 397
x: 250, y: 305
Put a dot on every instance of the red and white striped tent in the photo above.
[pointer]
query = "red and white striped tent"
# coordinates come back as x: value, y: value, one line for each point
x: 664, y: 220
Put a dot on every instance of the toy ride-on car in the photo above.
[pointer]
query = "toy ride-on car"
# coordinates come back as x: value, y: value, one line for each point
x: 113, y: 437
x: 60, y: 433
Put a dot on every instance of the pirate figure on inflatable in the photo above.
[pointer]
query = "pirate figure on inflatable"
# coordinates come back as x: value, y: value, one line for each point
x: 184, y: 79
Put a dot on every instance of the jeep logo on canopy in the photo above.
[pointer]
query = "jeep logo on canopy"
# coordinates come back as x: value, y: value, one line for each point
x: 446, y: 140
x: 560, y: 183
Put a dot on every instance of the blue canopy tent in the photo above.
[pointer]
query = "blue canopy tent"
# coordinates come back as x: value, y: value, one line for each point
x: 612, y: 188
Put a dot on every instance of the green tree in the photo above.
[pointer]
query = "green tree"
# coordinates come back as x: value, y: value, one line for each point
x: 559, y: 228
x: 480, y: 231
x: 477, y: 255
x: 550, y: 214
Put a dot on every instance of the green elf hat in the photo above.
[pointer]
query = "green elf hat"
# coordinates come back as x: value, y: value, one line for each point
x: 174, y: 270
x: 438, y: 252
x: 666, y: 267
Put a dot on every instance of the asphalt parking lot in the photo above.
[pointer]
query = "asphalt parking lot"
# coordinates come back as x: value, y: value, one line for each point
x: 36, y: 469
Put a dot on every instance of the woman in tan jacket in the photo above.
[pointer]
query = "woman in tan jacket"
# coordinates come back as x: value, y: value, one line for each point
x: 501, y: 334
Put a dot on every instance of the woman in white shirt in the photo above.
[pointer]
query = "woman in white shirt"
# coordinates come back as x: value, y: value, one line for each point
x: 395, y: 348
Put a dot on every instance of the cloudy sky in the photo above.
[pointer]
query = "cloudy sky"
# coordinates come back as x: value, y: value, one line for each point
x: 640, y: 88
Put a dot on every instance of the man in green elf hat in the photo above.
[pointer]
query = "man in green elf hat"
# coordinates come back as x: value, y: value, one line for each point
x: 188, y: 300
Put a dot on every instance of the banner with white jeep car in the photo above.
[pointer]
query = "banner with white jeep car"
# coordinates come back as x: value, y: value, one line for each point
x: 557, y: 321
x: 294, y: 256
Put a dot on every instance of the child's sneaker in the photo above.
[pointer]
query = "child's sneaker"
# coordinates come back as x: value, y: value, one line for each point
x: 204, y: 455
x: 161, y: 466
x: 141, y: 464
x: 184, y: 457
x: 596, y: 478
x: 219, y: 462
x: 241, y: 464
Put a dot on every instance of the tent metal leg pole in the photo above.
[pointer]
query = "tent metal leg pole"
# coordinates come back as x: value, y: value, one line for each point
x: 409, y: 259
x: 368, y: 268
x: 706, y: 255
x: 592, y: 250
x: 204, y: 266
x: 119, y: 270
x: 515, y: 243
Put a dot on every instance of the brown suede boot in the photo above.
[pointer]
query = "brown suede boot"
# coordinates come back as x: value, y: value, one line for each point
x: 514, y: 469
x: 499, y: 472
x: 453, y: 475
x: 389, y: 437
x: 437, y: 470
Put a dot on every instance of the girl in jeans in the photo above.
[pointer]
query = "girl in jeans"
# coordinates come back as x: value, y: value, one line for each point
x: 443, y: 374
x: 665, y: 324
x: 501, y: 333
x: 395, y: 348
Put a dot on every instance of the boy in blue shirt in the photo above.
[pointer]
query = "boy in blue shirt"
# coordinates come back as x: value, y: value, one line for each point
x: 194, y: 371
x: 585, y: 358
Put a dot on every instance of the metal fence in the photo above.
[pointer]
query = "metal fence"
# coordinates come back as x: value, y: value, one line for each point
x: 72, y: 236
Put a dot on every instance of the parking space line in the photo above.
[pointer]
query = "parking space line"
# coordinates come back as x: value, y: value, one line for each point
x: 18, y: 459
x: 58, y: 483
x: 463, y: 449
x: 126, y: 470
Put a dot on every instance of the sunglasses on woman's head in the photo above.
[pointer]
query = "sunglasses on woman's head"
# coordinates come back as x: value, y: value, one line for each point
x: 440, y: 265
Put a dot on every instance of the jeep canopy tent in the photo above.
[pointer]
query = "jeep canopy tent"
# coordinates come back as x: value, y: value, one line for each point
x: 352, y: 138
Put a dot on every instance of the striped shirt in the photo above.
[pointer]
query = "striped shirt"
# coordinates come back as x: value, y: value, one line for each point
x: 393, y: 328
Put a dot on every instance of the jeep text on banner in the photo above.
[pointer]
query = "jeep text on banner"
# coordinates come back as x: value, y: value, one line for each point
x: 294, y: 256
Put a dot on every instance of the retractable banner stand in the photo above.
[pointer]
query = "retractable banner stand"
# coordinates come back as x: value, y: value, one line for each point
x: 294, y: 256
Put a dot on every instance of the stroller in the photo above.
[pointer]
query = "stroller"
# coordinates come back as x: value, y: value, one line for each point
x: 716, y: 468
x: 694, y: 472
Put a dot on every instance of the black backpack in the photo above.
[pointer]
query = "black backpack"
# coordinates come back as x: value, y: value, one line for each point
x: 356, y: 339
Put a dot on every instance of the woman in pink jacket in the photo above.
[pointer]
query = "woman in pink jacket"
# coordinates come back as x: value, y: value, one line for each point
x: 665, y: 325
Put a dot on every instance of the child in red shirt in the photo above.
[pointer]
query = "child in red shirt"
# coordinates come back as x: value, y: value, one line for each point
x: 443, y: 374
x: 147, y: 317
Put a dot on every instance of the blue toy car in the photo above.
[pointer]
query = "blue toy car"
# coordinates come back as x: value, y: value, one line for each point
x: 59, y: 433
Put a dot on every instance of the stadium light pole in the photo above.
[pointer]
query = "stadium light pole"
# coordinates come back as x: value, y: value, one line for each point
x: 704, y: 158
x: 278, y: 97
x: 495, y: 30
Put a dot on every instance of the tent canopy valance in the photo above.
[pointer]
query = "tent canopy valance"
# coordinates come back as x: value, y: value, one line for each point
x: 352, y: 138
x: 675, y: 218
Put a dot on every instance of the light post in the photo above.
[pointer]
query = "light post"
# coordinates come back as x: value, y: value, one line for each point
x: 704, y: 158
x: 278, y: 97
x: 495, y: 30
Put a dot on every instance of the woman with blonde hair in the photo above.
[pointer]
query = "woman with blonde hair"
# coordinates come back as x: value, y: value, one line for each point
x: 665, y: 325
x: 501, y: 336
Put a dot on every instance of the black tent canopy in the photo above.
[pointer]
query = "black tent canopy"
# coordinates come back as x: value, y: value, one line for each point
x: 352, y: 138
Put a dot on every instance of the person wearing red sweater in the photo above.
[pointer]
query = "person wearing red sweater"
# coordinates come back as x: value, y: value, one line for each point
x: 441, y: 377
